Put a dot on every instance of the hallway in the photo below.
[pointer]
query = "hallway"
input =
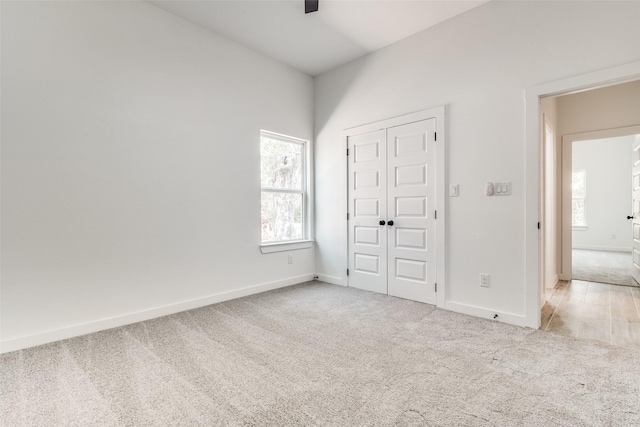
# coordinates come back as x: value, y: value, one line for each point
x: 596, y: 311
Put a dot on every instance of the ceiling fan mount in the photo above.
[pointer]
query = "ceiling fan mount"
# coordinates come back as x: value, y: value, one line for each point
x: 310, y: 6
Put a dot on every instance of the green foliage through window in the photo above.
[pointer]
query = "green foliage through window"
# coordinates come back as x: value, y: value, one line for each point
x: 578, y: 193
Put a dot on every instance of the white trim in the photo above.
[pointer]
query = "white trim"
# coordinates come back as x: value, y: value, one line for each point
x: 333, y: 280
x: 308, y: 203
x: 283, y: 137
x: 532, y: 273
x: 579, y: 227
x: 604, y: 248
x: 269, y: 248
x: 140, y: 316
x: 438, y: 113
x: 511, y: 318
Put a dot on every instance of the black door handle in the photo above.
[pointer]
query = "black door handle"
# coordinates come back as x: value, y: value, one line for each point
x: 629, y: 216
x: 382, y: 222
x: 390, y: 222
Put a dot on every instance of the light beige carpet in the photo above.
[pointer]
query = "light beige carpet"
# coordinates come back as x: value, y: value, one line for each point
x: 321, y: 355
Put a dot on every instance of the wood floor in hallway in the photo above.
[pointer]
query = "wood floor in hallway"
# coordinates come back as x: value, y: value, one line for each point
x: 597, y: 311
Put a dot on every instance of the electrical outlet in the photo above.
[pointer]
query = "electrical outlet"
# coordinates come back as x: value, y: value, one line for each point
x: 484, y: 280
x: 290, y: 259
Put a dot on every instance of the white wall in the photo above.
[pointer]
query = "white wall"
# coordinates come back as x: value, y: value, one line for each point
x: 607, y: 163
x: 478, y: 64
x: 130, y: 166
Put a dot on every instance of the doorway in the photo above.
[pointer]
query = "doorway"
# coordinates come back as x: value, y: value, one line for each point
x: 601, y: 210
x: 586, y: 305
x: 535, y: 295
x: 598, y: 223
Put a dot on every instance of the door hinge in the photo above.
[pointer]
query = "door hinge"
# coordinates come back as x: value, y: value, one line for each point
x: 436, y: 287
x: 347, y: 216
x: 435, y: 136
x: 435, y: 214
x: 347, y: 271
x: 347, y: 151
x: 538, y: 226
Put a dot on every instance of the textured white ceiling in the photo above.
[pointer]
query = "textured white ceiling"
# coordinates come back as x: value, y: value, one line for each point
x: 341, y: 30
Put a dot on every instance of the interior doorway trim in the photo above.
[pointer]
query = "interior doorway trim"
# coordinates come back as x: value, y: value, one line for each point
x: 566, y: 242
x: 437, y: 113
x: 532, y: 272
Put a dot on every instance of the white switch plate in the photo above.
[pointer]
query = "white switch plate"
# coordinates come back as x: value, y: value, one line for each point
x: 454, y: 190
x: 502, y: 189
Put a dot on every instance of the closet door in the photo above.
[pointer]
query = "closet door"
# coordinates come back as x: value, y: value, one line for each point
x: 411, y: 225
x: 367, y: 177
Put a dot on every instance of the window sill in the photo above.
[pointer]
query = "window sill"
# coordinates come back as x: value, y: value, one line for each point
x: 579, y: 228
x: 268, y: 248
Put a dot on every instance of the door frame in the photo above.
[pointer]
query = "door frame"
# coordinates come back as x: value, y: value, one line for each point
x: 438, y: 113
x: 534, y: 195
x: 549, y: 208
x: 565, y: 271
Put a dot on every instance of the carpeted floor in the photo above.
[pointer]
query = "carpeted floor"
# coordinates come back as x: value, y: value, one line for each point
x: 321, y: 355
x: 602, y: 267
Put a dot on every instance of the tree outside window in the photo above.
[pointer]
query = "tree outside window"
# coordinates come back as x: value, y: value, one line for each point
x: 578, y: 193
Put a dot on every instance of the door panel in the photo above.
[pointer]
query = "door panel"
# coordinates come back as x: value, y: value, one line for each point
x: 367, y: 205
x: 411, y: 175
x: 367, y: 235
x: 635, y: 203
x: 411, y: 203
x: 411, y: 238
x: 411, y: 207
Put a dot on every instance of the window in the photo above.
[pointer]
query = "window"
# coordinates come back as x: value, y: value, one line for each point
x: 578, y: 192
x: 283, y: 174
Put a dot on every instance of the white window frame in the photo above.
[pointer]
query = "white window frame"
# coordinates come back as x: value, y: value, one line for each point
x: 582, y: 226
x: 306, y: 241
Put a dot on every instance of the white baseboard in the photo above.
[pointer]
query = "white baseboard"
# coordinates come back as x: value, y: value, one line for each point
x: 554, y: 282
x: 139, y: 316
x: 603, y: 248
x: 513, y: 319
x: 331, y: 279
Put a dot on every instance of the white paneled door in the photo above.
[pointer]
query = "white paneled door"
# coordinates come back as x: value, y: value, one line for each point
x: 635, y: 203
x: 367, y: 211
x: 392, y: 224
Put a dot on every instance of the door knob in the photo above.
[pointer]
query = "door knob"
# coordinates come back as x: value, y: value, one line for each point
x: 382, y: 222
x: 629, y: 216
x: 390, y: 222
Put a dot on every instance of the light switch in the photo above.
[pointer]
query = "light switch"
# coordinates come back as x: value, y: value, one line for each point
x: 454, y: 190
x: 502, y: 188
